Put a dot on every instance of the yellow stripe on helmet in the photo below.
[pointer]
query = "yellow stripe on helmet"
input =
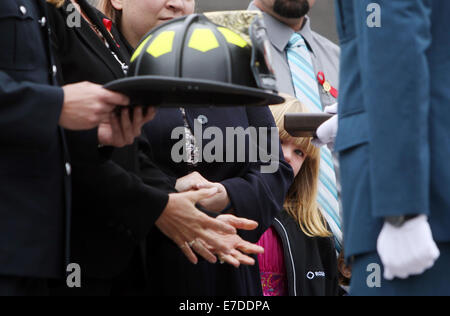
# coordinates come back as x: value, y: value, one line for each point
x: 203, y: 40
x: 232, y: 37
x: 163, y: 44
x: 138, y: 51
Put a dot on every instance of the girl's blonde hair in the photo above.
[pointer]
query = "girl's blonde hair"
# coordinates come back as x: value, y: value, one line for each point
x: 301, y: 201
x: 56, y: 3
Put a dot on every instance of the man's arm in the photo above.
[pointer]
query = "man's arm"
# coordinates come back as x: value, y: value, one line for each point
x: 396, y: 86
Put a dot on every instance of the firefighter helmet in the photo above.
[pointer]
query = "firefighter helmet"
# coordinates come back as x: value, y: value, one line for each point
x: 191, y: 62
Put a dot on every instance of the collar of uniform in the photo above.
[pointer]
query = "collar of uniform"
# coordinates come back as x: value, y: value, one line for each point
x: 279, y: 33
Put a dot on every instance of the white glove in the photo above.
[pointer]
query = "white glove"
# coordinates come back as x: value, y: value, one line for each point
x: 407, y: 250
x: 327, y: 132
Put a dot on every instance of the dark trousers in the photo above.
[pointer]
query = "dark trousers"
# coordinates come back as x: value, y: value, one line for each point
x: 434, y: 282
x: 22, y: 286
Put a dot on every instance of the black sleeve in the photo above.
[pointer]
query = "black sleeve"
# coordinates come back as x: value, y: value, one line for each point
x: 129, y: 200
x: 256, y: 195
x: 122, y: 198
x: 150, y: 173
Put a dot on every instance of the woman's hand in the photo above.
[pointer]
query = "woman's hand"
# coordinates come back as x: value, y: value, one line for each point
x: 122, y: 131
x: 194, y: 231
x: 217, y: 202
x: 182, y: 222
x: 191, y: 182
x: 195, y: 181
x: 239, y: 247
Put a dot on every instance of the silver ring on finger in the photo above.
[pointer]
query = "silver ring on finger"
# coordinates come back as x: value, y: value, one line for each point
x: 192, y: 243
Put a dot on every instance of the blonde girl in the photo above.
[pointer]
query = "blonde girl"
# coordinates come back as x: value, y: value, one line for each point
x: 299, y: 257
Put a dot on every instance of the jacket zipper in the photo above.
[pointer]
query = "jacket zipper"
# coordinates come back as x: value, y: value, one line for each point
x: 291, y: 257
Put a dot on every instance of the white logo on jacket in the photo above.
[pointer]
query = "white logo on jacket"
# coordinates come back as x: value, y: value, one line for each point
x: 311, y: 275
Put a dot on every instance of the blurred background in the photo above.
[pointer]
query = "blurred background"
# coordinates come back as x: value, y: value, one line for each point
x: 322, y: 15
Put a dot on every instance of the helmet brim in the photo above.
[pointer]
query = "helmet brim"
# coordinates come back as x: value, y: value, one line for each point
x: 184, y: 92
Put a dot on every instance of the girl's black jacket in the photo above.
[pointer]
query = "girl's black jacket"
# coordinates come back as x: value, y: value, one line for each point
x: 311, y: 263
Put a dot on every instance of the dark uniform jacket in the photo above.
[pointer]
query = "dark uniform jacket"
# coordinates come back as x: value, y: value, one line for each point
x: 113, y: 207
x: 34, y: 166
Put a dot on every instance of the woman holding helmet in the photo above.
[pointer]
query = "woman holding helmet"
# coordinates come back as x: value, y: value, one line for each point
x: 120, y: 195
x: 243, y: 189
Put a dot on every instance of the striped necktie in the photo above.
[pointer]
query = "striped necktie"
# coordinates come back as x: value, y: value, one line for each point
x: 307, y: 91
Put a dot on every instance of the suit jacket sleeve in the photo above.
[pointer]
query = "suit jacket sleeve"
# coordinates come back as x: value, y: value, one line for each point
x: 396, y: 87
x: 150, y: 173
x: 24, y: 122
x: 260, y: 196
x: 122, y: 198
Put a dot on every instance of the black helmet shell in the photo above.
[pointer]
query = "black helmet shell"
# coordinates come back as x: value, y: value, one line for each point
x: 191, y: 61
